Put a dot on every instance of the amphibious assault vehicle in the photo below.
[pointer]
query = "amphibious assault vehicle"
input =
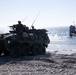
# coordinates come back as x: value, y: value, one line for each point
x: 27, y: 42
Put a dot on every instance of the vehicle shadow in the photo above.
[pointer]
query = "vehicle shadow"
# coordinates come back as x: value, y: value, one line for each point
x: 10, y: 60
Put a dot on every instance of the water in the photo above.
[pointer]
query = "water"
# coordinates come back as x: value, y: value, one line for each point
x: 60, y: 41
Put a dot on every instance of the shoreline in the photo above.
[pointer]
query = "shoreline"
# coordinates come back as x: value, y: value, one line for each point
x: 48, y: 64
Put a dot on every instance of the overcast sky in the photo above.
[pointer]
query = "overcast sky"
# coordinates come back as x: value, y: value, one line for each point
x: 52, y: 12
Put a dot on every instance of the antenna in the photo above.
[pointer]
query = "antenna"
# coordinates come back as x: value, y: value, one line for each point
x: 24, y: 19
x: 35, y: 19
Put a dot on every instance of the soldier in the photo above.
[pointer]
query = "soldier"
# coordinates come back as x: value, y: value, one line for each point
x: 19, y: 29
x: 32, y: 27
x: 26, y: 28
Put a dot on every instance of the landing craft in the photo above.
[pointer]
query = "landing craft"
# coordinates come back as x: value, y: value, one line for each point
x: 72, y: 31
x: 22, y: 41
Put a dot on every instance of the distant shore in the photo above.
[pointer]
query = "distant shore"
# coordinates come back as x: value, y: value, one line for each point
x: 48, y: 64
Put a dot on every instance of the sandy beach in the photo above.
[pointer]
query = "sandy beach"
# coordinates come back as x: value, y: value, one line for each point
x: 48, y: 64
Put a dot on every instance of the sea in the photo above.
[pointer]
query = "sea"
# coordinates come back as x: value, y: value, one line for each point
x: 60, y: 41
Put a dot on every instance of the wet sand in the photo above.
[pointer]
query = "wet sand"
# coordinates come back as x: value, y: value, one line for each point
x: 48, y: 64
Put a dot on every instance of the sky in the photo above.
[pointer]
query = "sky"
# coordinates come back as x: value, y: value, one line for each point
x: 52, y: 13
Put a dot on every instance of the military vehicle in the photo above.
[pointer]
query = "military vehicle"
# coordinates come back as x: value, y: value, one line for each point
x: 28, y: 42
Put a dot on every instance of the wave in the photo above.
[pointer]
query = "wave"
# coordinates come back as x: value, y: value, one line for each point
x: 60, y: 40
